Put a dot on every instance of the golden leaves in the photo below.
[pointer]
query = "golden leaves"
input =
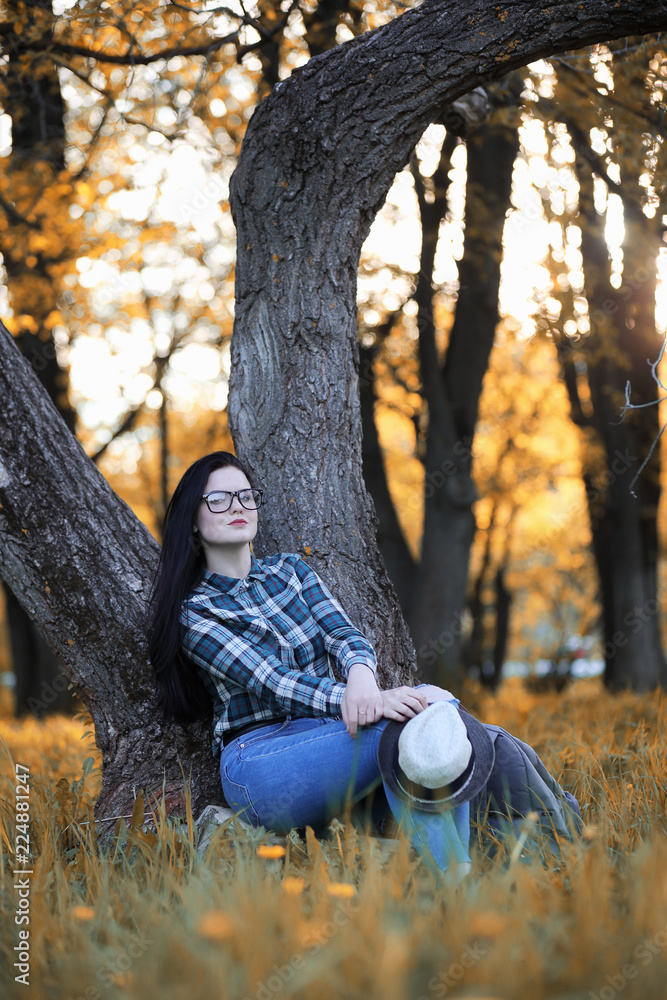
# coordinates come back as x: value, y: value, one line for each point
x: 37, y: 242
x: 21, y: 322
x: 84, y: 192
x: 37, y: 233
x: 54, y: 318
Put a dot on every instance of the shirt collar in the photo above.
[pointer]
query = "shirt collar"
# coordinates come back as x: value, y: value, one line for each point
x: 231, y: 584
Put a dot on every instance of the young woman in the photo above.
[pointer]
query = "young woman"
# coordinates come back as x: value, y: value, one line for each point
x: 256, y: 638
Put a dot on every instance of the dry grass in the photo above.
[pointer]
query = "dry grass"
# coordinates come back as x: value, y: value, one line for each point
x: 343, y: 917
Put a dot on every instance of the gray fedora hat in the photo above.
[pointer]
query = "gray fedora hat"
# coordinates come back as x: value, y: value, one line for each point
x: 437, y: 760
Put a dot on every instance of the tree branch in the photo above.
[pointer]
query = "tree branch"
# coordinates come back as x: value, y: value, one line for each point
x: 630, y: 206
x: 597, y: 94
x: 137, y: 59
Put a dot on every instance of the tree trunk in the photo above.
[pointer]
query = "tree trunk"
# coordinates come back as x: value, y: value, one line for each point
x: 35, y: 105
x: 81, y: 565
x: 390, y: 538
x: 42, y: 686
x: 452, y: 392
x: 503, y: 607
x: 473, y: 651
x: 624, y: 526
x: 318, y: 159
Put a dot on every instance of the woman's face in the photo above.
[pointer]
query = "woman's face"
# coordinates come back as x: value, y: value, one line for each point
x: 235, y: 526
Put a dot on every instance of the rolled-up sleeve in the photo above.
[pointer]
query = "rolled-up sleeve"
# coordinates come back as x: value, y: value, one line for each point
x: 343, y: 641
x: 238, y: 659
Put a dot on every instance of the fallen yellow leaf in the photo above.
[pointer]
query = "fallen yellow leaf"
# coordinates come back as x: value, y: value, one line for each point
x: 341, y: 889
x: 215, y: 925
x: 294, y: 885
x: 270, y: 851
x: 487, y: 924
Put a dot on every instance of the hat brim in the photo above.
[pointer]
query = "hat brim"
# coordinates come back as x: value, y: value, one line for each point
x: 482, y: 764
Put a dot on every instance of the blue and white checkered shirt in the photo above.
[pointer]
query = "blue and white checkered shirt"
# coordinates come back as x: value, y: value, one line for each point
x: 263, y: 643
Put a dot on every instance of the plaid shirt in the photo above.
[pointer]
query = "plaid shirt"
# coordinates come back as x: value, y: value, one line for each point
x: 262, y: 643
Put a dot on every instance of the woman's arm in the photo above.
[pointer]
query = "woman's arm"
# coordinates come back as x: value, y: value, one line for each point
x: 345, y: 643
x: 364, y: 703
x: 350, y: 649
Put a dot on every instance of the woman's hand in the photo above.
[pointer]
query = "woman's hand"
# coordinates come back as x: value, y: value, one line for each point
x: 403, y: 703
x: 435, y: 693
x: 362, y: 701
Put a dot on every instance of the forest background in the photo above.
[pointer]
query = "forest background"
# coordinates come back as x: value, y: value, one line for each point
x: 521, y: 250
x: 510, y: 292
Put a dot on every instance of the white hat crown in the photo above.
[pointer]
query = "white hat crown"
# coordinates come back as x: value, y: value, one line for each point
x: 433, y: 748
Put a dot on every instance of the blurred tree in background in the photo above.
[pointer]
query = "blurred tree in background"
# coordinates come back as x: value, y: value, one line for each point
x: 39, y: 242
x: 624, y: 527
x: 603, y: 320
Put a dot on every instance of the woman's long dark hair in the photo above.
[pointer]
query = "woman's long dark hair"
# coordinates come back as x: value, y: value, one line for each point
x: 181, y: 691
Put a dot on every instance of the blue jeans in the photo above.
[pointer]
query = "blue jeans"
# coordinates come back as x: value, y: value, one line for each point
x: 306, y: 771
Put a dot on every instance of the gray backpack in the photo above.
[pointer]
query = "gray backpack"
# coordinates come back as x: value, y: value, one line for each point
x: 520, y: 784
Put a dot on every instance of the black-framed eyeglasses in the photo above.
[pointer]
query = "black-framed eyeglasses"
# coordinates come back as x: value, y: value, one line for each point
x: 221, y: 500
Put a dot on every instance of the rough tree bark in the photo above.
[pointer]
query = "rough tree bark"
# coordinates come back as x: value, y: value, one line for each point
x: 81, y: 565
x: 318, y: 159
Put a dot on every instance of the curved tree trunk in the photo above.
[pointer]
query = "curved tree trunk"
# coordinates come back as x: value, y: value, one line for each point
x: 317, y: 161
x: 81, y: 565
